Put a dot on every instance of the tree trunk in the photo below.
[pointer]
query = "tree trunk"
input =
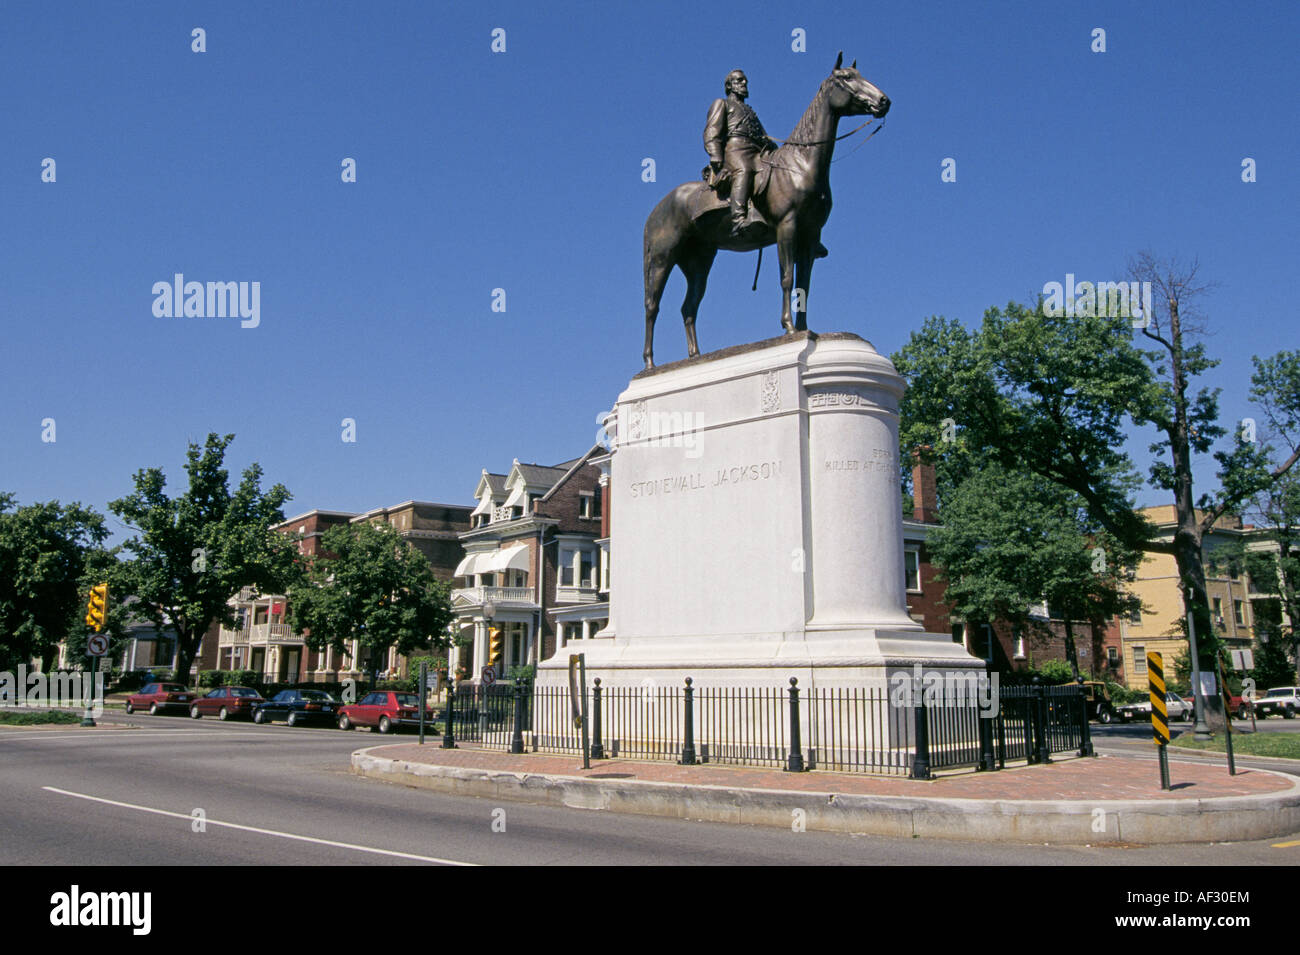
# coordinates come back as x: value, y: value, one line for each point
x: 186, y: 648
x: 1191, y: 574
x: 1071, y: 654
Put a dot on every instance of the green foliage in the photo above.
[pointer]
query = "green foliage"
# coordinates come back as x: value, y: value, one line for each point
x: 45, y: 560
x: 1052, y: 397
x: 37, y: 717
x: 1010, y: 539
x: 1178, y: 679
x: 1055, y: 672
x: 1119, y: 694
x: 211, y: 678
x: 252, y: 678
x: 192, y: 553
x: 1274, y: 665
x: 526, y: 672
x: 376, y: 589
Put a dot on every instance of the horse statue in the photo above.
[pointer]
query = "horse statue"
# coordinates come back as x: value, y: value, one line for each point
x: 792, y: 194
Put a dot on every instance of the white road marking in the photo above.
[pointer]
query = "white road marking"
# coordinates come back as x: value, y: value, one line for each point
x: 118, y: 735
x: 264, y: 832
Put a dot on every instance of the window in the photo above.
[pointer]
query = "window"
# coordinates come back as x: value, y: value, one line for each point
x: 587, y: 578
x: 912, y: 569
x: 1135, y: 615
x: 1112, y: 657
x: 566, y: 568
x: 1218, y: 611
x: 588, y: 505
x: 1139, y: 661
x: 1239, y: 613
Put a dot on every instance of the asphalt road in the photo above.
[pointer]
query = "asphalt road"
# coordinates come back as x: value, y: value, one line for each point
x: 180, y: 792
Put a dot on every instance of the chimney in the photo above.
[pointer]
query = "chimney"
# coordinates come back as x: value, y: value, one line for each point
x: 925, y: 499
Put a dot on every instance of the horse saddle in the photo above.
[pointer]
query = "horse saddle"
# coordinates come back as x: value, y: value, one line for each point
x: 720, y: 181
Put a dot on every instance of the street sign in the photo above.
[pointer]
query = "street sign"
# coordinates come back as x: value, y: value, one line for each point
x: 1156, y: 687
x: 1243, y: 659
x: 96, y: 645
x: 1159, y: 712
x: 488, y: 675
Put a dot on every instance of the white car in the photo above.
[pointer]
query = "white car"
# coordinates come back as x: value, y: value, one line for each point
x: 1282, y: 700
x: 1175, y: 706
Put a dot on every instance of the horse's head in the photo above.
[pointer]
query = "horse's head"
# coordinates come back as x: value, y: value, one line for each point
x: 851, y: 95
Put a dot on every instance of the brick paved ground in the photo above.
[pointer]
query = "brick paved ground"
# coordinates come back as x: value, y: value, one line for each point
x: 1103, y: 777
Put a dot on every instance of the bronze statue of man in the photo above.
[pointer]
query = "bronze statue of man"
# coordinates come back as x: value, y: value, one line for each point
x: 735, y: 139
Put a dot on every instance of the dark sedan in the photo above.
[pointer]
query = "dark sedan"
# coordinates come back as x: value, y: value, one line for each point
x: 298, y: 706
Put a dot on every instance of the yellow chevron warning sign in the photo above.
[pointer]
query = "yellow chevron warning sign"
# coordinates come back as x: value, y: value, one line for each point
x: 1156, y: 685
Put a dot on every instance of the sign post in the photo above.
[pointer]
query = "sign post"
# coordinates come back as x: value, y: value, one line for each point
x: 578, y: 701
x: 424, y: 691
x: 1159, y: 711
x: 1227, y: 709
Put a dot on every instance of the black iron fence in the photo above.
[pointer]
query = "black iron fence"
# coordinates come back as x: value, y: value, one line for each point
x: 905, y: 728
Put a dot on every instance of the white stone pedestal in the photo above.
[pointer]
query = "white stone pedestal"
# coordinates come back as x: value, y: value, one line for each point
x: 756, y: 524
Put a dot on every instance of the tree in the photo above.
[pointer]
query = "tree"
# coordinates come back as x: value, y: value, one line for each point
x: 1053, y: 395
x: 373, y: 587
x: 195, y: 552
x: 45, y: 553
x: 1271, y: 559
x: 1010, y: 539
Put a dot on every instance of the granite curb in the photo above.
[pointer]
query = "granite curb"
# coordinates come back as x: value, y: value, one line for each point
x: 1061, y: 822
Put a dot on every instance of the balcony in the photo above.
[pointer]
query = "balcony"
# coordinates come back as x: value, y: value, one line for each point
x: 504, y: 598
x: 259, y: 635
x: 229, y: 638
x: 264, y: 634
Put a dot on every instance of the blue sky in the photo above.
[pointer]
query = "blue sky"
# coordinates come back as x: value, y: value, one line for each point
x: 522, y: 171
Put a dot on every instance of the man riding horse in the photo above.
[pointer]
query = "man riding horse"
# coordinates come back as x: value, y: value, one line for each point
x: 735, y: 140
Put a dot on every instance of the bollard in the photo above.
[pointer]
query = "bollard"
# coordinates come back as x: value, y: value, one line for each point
x: 449, y: 736
x: 1085, y: 731
x: 794, y: 763
x: 1041, y: 753
x: 517, y: 738
x: 688, y: 745
x: 921, y: 759
x: 987, y: 760
x: 597, y: 747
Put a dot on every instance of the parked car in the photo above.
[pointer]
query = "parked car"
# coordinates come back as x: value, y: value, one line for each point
x: 384, y: 710
x: 1175, y: 707
x: 1100, y: 707
x: 297, y: 706
x: 159, y: 697
x: 227, y: 703
x: 1282, y: 700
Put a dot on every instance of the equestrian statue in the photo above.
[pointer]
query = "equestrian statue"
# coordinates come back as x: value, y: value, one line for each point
x: 753, y: 194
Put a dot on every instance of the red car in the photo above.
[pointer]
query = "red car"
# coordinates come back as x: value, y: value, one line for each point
x: 384, y: 710
x: 227, y: 703
x: 159, y: 697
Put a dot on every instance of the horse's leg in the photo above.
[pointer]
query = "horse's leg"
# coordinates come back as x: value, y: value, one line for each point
x: 785, y: 236
x: 696, y: 267
x: 656, y: 277
x: 805, y: 255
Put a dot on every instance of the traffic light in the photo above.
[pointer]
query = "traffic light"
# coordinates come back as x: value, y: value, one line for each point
x: 97, y: 607
x: 496, y: 647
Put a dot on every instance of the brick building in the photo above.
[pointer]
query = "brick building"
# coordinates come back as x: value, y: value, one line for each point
x: 533, y: 572
x: 262, y: 640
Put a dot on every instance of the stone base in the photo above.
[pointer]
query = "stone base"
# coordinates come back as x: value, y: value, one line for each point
x: 841, y: 658
x: 756, y: 524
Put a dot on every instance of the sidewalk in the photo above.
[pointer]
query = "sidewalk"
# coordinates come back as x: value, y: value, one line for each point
x: 1101, y: 800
